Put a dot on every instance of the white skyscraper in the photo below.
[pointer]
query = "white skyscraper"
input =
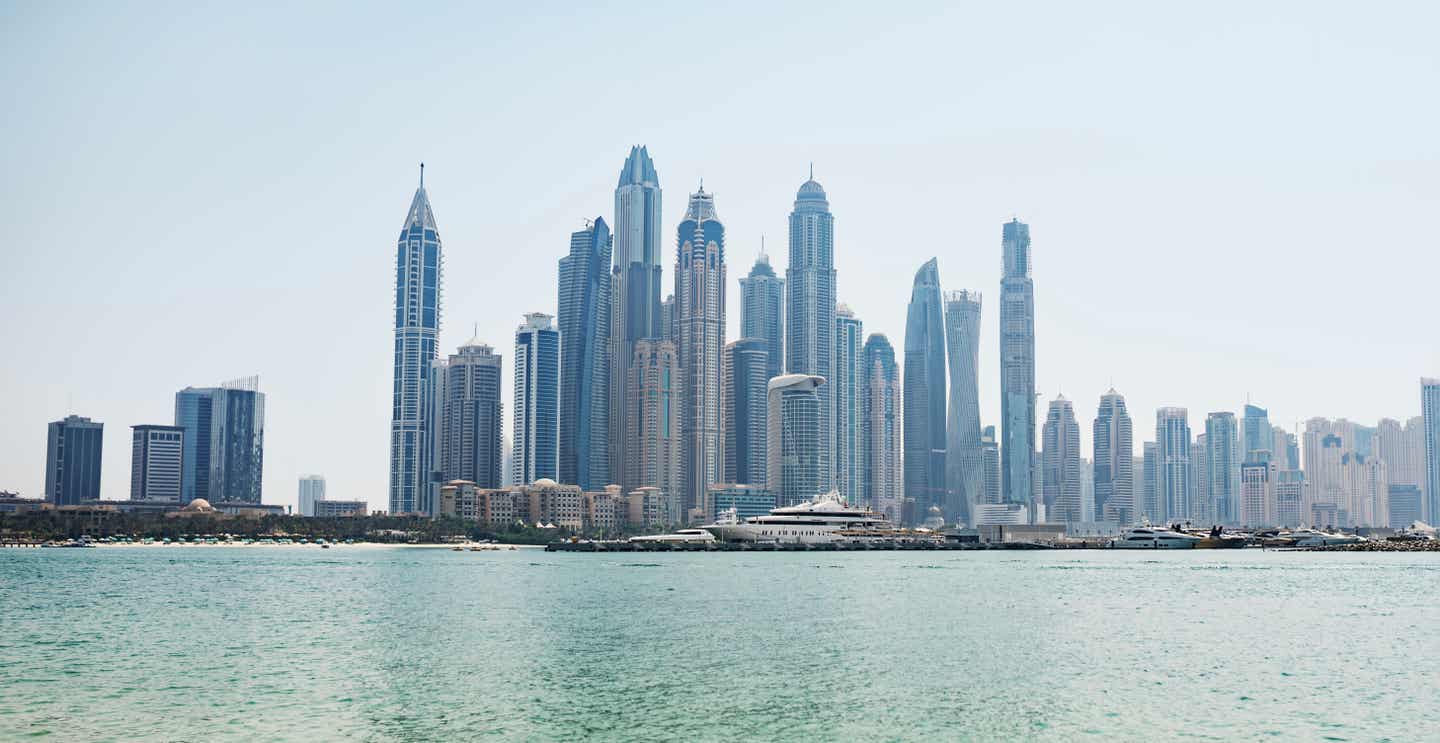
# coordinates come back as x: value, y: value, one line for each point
x: 1060, y: 482
x: 312, y: 490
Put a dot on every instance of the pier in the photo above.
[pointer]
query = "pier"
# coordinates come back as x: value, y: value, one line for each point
x: 884, y: 546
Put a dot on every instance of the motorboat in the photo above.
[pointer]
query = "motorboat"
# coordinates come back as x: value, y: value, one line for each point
x: 1316, y: 538
x: 683, y: 536
x: 1155, y: 538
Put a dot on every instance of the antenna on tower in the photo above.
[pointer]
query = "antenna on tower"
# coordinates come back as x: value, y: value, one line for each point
x: 812, y: 170
x: 422, y: 174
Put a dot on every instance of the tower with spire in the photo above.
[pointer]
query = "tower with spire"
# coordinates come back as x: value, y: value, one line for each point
x: 636, y: 313
x: 810, y: 303
x: 418, y: 280
x: 700, y: 336
x: 762, y: 311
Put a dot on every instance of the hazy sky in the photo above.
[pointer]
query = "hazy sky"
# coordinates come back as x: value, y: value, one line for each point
x: 1225, y: 199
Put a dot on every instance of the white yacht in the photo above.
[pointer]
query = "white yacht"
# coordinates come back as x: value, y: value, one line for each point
x: 1317, y: 538
x: 683, y: 536
x: 825, y: 519
x: 1155, y: 538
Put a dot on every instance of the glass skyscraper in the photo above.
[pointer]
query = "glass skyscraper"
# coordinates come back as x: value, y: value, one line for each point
x: 1114, y: 452
x: 1172, y: 463
x: 747, y: 376
x: 1017, y: 366
x: 1061, y: 464
x: 796, y: 415
x: 72, y: 460
x: 635, y: 293
x: 762, y: 312
x: 224, y: 446
x: 584, y: 319
x: 535, y: 427
x: 156, y: 459
x: 880, y: 430
x: 810, y: 302
x: 847, y: 393
x: 964, y: 459
x: 1222, y: 467
x: 1255, y: 433
x: 418, y: 268
x: 700, y: 332
x: 924, y: 398
x: 1430, y: 414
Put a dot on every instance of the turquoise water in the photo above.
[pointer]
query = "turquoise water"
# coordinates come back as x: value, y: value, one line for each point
x: 218, y: 643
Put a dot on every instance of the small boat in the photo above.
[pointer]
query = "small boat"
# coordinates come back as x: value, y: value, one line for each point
x: 457, y: 548
x: 324, y: 545
x: 1155, y: 538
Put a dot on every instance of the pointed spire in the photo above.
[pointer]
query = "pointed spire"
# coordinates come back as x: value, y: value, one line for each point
x: 422, y: 174
x: 812, y: 170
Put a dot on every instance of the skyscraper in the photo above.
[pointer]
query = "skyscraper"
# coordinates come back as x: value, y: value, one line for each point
x: 1061, y: 457
x: 418, y: 274
x: 1172, y: 463
x: 1257, y: 495
x: 1403, y: 449
x: 848, y: 395
x: 810, y: 302
x: 990, y: 456
x: 224, y: 446
x: 1150, y: 483
x: 747, y: 379
x: 1114, y: 451
x: 312, y: 491
x: 156, y: 459
x: 1255, y: 432
x: 1430, y: 414
x: 653, y: 418
x: 1222, y: 466
x: 880, y: 430
x: 762, y: 312
x: 635, y: 293
x: 1017, y: 365
x: 536, y: 422
x: 473, y: 415
x: 964, y: 468
x: 700, y: 333
x: 924, y: 399
x: 796, y: 419
x: 584, y: 319
x: 72, y: 460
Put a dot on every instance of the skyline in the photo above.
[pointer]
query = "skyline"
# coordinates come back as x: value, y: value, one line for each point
x: 1168, y: 343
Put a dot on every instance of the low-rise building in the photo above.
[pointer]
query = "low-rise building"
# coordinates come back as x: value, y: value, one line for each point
x: 551, y: 503
x: 747, y: 500
x: 650, y: 507
x: 605, y: 510
x: 329, y: 509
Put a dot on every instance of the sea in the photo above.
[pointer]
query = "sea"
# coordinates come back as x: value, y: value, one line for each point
x: 372, y: 643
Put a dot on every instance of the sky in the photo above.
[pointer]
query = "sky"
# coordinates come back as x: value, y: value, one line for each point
x: 1227, y: 200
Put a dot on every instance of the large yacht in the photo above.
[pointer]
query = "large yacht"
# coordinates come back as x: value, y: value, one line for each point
x: 1155, y: 538
x: 683, y: 536
x: 825, y: 519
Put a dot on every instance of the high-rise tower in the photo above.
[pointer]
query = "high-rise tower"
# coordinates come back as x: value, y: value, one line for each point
x: 1113, y: 439
x: 762, y: 312
x: 224, y: 441
x: 924, y: 399
x: 1430, y: 415
x: 746, y: 382
x: 848, y: 394
x: 1061, y: 478
x: 418, y: 272
x: 535, y: 425
x: 1222, y: 467
x: 810, y: 302
x: 1017, y: 366
x: 72, y: 460
x: 881, y: 444
x: 700, y: 335
x: 473, y: 415
x: 964, y: 457
x: 635, y: 293
x: 795, y: 438
x: 1172, y: 463
x: 584, y: 319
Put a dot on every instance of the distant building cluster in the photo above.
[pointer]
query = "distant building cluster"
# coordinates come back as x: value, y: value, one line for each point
x: 632, y: 398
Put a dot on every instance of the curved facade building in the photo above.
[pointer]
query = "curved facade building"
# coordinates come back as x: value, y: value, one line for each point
x: 584, y: 319
x: 796, y: 418
x: 924, y: 419
x: 700, y: 342
x: 810, y: 299
x: 964, y: 457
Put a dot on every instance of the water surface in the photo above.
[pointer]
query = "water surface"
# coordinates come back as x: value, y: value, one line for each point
x: 365, y: 643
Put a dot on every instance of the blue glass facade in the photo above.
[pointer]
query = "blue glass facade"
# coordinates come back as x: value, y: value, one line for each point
x: 224, y: 443
x: 964, y: 459
x: 418, y: 278
x: 1256, y: 433
x: 880, y: 429
x: 535, y: 428
x: 746, y: 375
x: 810, y: 303
x: 847, y: 394
x: 584, y: 319
x: 72, y: 460
x: 635, y: 296
x: 700, y: 341
x: 1017, y: 367
x: 762, y: 312
x: 924, y: 397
